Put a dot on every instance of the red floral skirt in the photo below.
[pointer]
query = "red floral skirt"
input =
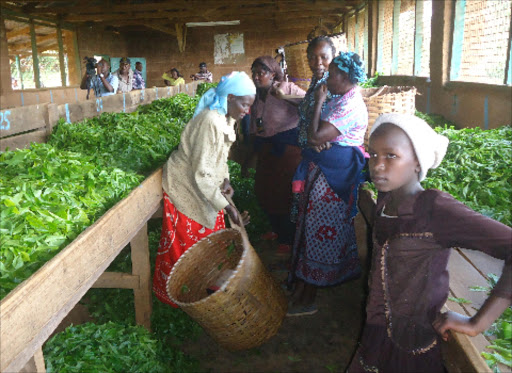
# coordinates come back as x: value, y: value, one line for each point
x: 179, y: 232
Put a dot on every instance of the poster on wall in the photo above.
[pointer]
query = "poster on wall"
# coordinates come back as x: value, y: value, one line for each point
x: 228, y: 48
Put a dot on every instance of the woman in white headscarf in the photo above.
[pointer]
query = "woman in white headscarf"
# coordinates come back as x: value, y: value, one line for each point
x: 196, y: 176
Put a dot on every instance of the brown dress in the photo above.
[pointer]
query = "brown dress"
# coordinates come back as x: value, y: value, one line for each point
x: 274, y: 126
x: 409, y: 278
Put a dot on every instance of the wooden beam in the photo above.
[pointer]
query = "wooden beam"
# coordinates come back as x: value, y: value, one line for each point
x: 18, y: 32
x: 37, y: 76
x: 62, y: 64
x: 157, y: 26
x: 181, y: 34
x: 186, y: 5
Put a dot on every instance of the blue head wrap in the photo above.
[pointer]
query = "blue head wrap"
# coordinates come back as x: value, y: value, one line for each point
x: 237, y: 83
x: 352, y: 64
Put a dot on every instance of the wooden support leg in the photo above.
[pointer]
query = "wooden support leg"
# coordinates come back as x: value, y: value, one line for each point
x: 35, y: 364
x: 141, y: 267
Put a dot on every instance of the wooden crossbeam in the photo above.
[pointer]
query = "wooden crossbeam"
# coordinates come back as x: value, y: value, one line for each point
x: 182, y: 5
x: 157, y: 26
x: 18, y: 32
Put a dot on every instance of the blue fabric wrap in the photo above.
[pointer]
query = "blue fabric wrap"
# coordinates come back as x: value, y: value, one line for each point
x: 278, y: 141
x: 355, y: 71
x: 341, y: 165
x: 237, y: 83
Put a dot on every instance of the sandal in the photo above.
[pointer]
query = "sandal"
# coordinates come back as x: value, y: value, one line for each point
x: 269, y: 236
x: 302, y: 310
x: 283, y: 249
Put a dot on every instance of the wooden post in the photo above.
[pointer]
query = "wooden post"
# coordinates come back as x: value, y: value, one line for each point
x: 418, y: 36
x: 373, y: 8
x: 73, y: 54
x: 141, y: 267
x: 35, y: 59
x: 396, y: 37
x: 181, y: 34
x: 35, y: 364
x: 62, y: 65
x: 458, y: 39
x: 18, y: 65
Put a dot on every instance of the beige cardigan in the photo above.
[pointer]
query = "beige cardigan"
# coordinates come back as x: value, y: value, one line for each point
x: 195, y: 171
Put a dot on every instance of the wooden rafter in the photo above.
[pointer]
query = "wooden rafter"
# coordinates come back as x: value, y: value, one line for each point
x: 181, y: 34
x: 159, y: 27
x: 163, y: 16
x: 180, y: 5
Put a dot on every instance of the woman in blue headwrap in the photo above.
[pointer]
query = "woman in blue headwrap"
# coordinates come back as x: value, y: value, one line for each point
x: 325, y: 183
x: 196, y: 176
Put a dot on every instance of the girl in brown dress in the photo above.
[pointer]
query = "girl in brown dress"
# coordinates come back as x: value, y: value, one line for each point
x: 413, y: 231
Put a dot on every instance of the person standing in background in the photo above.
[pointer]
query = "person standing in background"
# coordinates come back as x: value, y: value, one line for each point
x: 138, y: 80
x: 173, y: 78
x: 104, y: 83
x: 274, y: 137
x: 203, y: 74
x: 325, y: 249
x: 125, y: 75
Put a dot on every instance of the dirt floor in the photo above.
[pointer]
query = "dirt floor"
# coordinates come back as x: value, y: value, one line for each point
x: 323, y: 342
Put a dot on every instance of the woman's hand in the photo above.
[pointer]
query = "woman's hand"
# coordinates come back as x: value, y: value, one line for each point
x: 454, y: 321
x: 321, y: 93
x: 235, y: 218
x: 322, y: 147
x: 227, y: 189
x: 246, y: 218
x: 233, y: 215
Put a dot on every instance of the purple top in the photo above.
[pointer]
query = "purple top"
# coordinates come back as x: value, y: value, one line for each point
x: 138, y: 80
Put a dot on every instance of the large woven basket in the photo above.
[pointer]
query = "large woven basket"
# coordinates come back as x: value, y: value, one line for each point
x: 248, y: 308
x: 297, y: 59
x: 387, y: 99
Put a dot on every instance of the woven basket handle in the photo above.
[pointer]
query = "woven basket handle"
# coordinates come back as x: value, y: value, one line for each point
x: 379, y: 91
x: 241, y: 227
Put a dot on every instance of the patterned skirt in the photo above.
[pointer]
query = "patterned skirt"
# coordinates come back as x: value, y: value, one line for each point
x: 325, y: 249
x: 179, y: 232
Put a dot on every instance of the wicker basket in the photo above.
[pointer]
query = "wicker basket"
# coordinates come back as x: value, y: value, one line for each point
x: 248, y: 308
x: 297, y: 59
x: 387, y: 99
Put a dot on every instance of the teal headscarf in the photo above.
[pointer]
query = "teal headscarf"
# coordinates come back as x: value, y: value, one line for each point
x: 237, y: 83
x: 352, y: 64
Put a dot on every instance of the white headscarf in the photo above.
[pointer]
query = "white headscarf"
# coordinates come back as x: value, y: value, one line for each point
x: 430, y: 147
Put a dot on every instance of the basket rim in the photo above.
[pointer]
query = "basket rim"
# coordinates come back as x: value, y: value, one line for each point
x: 224, y: 285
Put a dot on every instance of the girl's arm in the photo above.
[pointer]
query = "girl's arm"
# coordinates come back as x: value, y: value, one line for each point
x: 493, y: 307
x: 320, y: 132
x: 456, y: 225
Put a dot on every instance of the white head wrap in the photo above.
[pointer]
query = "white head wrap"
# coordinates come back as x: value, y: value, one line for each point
x: 430, y: 147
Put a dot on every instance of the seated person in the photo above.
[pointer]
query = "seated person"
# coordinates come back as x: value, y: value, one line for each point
x: 173, y: 77
x: 203, y: 74
x: 104, y: 83
x: 138, y: 80
x: 125, y: 75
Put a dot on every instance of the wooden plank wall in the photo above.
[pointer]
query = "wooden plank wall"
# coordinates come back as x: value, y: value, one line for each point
x: 23, y: 125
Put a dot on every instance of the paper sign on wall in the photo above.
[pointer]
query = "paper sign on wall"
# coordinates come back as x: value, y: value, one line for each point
x: 228, y: 48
